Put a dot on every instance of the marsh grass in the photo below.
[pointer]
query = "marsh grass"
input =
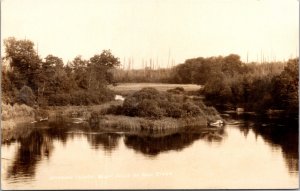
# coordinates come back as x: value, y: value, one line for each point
x: 79, y: 111
x: 121, y: 122
x: 16, y: 111
x: 11, y: 116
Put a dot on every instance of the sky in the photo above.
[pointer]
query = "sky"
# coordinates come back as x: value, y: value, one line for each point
x: 166, y: 31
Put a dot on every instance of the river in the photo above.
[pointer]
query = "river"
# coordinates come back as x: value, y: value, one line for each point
x: 250, y: 152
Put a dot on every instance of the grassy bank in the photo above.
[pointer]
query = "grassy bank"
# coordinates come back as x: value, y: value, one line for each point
x: 140, y: 123
x: 16, y: 114
x: 147, y: 110
x: 17, y: 120
x: 79, y: 111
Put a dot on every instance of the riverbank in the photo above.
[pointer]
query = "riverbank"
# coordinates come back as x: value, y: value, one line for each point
x: 16, y: 120
x: 139, y: 123
x: 147, y: 109
x: 77, y: 117
x: 11, y: 116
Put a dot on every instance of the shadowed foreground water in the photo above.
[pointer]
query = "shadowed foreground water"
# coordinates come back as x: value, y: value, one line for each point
x: 247, y: 154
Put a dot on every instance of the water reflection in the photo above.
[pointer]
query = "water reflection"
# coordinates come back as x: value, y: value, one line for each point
x: 152, y: 146
x: 34, y: 147
x: 277, y: 131
x: 37, y: 144
x: 105, y: 141
x: 29, y: 153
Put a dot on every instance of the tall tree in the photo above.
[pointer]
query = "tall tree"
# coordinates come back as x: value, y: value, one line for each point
x: 80, y: 73
x: 24, y: 61
x: 53, y: 78
x: 101, y: 68
x: 231, y: 65
x: 285, y: 89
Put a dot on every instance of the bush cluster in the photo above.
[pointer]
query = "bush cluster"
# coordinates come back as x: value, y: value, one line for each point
x: 31, y: 80
x: 177, y: 90
x: 256, y: 92
x: 151, y: 103
x: 26, y: 96
x: 80, y: 98
x: 17, y: 110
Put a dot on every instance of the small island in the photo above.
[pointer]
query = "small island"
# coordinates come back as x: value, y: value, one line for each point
x: 150, y: 109
x: 146, y: 110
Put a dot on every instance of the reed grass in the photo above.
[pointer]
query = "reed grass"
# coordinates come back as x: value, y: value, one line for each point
x: 79, y: 111
x: 16, y: 111
x: 121, y: 122
x: 11, y: 116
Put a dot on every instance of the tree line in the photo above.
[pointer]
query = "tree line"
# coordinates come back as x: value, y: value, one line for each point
x: 146, y: 75
x: 227, y: 80
x: 26, y: 78
x: 253, y: 86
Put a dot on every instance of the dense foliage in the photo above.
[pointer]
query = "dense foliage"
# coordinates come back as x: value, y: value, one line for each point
x: 258, y: 92
x: 146, y: 75
x: 151, y: 103
x: 229, y: 81
x: 255, y: 87
x: 26, y: 78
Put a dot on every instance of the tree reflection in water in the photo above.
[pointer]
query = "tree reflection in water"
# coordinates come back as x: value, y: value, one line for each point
x: 106, y: 141
x: 29, y: 153
x: 37, y: 144
x: 152, y: 146
x: 34, y: 147
x: 277, y: 131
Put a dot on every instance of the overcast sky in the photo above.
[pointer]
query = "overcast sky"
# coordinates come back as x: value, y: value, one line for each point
x: 144, y: 29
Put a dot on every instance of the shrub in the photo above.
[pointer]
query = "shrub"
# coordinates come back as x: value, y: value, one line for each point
x: 172, y: 109
x: 130, y: 106
x: 26, y: 96
x: 144, y: 103
x: 6, y: 111
x: 177, y: 90
x: 150, y: 108
x: 191, y: 109
x: 17, y: 110
x: 59, y: 99
x: 180, y: 89
x: 147, y: 93
x: 80, y: 97
x: 42, y: 101
x: 150, y: 103
x: 115, y: 109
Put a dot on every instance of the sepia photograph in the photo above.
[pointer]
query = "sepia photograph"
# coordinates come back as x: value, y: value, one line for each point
x: 149, y: 94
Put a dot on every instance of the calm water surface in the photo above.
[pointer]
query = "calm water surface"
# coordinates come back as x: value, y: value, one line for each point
x: 246, y: 154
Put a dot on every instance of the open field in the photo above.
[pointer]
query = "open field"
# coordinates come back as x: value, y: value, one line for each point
x: 125, y: 88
